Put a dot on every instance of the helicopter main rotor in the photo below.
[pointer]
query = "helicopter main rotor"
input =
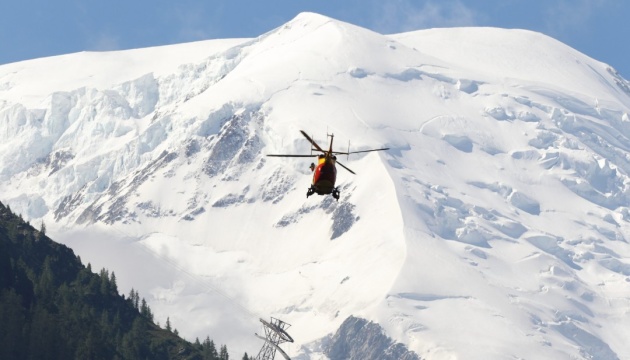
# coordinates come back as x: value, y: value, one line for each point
x: 327, y: 153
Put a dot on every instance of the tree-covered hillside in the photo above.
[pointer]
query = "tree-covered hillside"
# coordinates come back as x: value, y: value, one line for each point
x: 54, y: 307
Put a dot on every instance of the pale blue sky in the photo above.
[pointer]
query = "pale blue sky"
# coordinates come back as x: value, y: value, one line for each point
x: 37, y: 28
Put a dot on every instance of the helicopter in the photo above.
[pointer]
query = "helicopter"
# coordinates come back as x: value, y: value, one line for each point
x: 325, y: 172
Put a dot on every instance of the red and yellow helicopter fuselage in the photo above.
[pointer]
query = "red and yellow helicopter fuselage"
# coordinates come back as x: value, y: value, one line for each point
x: 325, y: 175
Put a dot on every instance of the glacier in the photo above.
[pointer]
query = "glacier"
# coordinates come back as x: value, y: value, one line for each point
x: 495, y: 227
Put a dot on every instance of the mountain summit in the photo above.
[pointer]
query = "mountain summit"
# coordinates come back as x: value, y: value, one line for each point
x: 496, y: 226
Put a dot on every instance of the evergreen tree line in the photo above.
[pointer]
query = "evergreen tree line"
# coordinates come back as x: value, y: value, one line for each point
x: 54, y: 307
x: 209, y: 351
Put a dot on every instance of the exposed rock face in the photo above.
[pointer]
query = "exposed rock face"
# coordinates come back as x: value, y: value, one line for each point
x: 361, y: 339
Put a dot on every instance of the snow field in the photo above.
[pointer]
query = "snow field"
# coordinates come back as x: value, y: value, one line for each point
x: 500, y: 209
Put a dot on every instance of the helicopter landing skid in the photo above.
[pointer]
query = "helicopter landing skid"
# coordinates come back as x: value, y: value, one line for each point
x: 335, y: 193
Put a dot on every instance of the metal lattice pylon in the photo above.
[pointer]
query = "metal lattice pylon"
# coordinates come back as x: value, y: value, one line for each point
x: 275, y: 334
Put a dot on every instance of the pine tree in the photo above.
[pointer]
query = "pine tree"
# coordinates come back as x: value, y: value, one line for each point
x: 144, y: 308
x: 209, y: 351
x: 136, y: 300
x: 223, y: 355
x: 112, y: 283
x: 104, y: 281
x: 42, y: 231
x: 132, y: 295
x: 45, y: 285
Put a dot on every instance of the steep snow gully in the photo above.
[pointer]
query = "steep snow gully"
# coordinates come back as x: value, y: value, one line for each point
x: 496, y: 226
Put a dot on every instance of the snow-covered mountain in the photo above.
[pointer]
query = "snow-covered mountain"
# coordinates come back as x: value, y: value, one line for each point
x: 496, y: 227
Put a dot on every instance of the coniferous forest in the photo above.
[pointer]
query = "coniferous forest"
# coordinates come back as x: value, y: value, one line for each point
x: 54, y: 307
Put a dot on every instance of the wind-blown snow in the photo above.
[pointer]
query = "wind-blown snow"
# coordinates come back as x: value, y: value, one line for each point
x: 495, y: 227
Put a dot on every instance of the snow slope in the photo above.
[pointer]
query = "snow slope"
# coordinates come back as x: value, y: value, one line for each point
x: 495, y: 227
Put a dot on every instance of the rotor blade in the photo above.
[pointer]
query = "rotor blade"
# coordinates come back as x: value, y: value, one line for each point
x: 312, y: 142
x: 361, y: 151
x: 345, y: 167
x: 290, y: 155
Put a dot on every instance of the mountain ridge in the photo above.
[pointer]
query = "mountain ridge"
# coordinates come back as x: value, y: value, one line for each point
x: 489, y: 49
